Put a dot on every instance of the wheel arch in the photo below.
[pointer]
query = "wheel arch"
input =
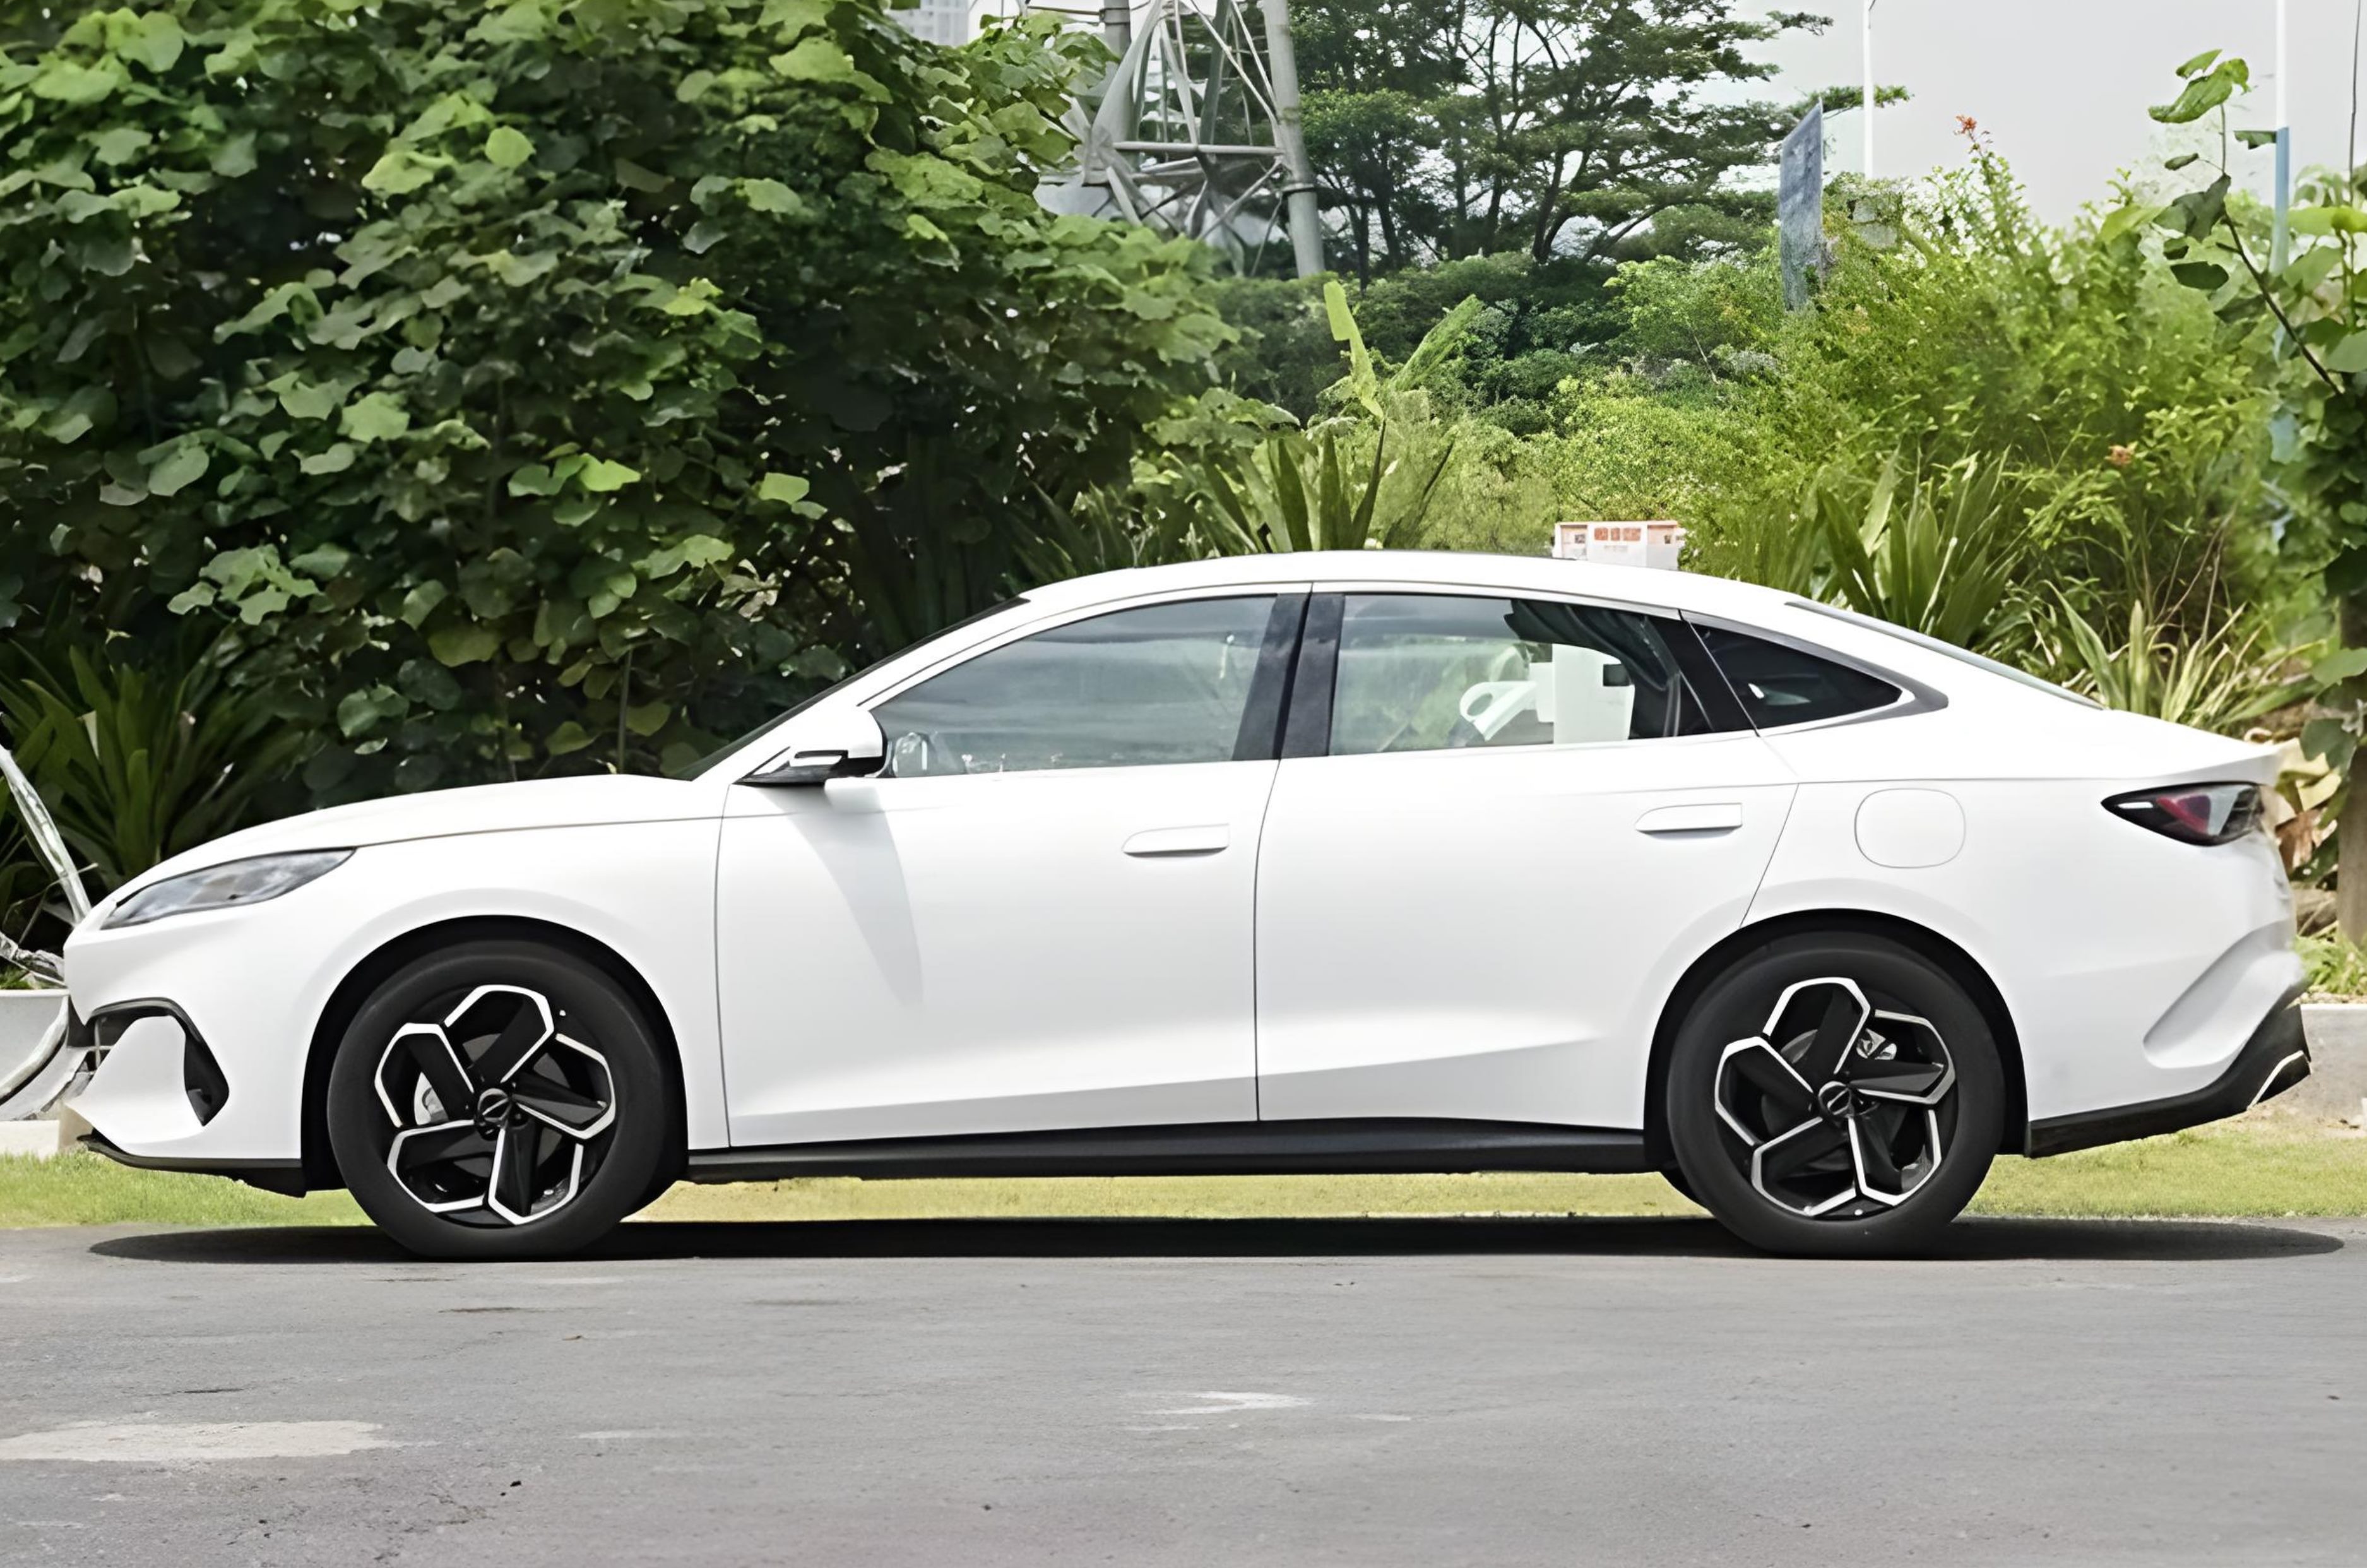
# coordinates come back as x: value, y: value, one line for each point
x: 320, y: 1167
x: 1953, y: 960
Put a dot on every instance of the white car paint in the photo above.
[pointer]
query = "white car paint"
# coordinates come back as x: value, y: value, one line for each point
x: 1479, y: 934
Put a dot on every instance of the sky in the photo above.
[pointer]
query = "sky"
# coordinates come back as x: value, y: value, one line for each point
x: 2062, y: 85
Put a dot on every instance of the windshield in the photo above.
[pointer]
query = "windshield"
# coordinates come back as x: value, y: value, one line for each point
x: 778, y: 719
x: 1933, y: 644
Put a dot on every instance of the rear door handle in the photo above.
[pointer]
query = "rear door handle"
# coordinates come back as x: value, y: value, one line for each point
x: 1203, y: 840
x: 1705, y: 817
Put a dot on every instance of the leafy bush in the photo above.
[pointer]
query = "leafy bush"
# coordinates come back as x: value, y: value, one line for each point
x: 138, y: 764
x: 1537, y: 324
x: 2335, y: 965
x: 2224, y: 678
x: 552, y: 383
x: 1941, y: 560
x: 1982, y: 423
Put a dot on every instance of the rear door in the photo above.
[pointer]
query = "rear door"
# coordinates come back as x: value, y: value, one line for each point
x: 1500, y: 829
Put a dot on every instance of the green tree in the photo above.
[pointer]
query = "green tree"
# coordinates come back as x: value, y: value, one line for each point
x: 2318, y: 302
x: 1540, y: 322
x: 1456, y: 128
x: 536, y: 385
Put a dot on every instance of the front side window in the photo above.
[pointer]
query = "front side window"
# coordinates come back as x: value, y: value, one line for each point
x: 1434, y: 672
x: 1163, y: 684
x: 1780, y: 685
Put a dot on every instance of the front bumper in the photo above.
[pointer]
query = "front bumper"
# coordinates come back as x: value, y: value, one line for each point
x: 2274, y: 1059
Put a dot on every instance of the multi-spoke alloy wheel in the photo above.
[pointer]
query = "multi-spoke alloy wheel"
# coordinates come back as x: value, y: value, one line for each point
x: 1835, y: 1094
x: 1837, y: 1107
x: 500, y: 1114
x: 499, y: 1099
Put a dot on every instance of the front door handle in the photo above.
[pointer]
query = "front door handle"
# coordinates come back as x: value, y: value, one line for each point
x: 1203, y: 840
x: 1704, y: 816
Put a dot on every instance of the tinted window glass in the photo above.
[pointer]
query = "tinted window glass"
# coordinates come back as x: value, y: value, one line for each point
x: 1163, y: 684
x: 1431, y: 672
x: 1782, y: 686
x: 778, y: 719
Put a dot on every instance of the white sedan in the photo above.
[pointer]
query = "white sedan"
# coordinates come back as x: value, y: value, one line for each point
x: 1352, y: 863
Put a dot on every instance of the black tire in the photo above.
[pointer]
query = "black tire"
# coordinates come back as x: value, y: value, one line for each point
x: 1835, y: 1097
x: 566, y: 1129
x: 1675, y: 1176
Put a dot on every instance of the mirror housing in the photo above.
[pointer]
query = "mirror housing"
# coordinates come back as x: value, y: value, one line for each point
x: 845, y: 743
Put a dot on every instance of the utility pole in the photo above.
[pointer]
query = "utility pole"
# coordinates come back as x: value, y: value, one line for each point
x: 1299, y: 171
x: 2277, y: 233
x: 1117, y: 25
x: 1866, y: 98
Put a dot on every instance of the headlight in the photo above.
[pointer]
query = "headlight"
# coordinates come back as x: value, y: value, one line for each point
x: 234, y: 882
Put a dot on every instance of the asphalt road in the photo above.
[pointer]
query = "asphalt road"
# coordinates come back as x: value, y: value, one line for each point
x: 1284, y: 1392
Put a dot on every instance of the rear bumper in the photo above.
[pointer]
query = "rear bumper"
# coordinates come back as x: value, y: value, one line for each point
x: 2274, y: 1059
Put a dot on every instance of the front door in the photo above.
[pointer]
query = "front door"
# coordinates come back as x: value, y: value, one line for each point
x: 1039, y: 916
x: 1522, y: 824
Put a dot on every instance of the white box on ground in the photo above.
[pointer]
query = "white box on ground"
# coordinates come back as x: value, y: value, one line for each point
x: 41, y: 1140
x: 1657, y: 544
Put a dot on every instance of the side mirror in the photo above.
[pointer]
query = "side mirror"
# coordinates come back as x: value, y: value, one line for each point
x: 844, y: 744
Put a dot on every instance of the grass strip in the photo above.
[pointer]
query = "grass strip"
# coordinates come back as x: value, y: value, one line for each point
x: 2263, y: 1165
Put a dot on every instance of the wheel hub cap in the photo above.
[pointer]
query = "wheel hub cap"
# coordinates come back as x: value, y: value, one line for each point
x: 1835, y: 1101
x: 495, y: 1111
x: 1837, y: 1109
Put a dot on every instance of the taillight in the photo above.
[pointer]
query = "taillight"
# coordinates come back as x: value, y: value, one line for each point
x: 2193, y: 814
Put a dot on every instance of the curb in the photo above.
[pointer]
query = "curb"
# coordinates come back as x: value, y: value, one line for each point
x: 2337, y: 1052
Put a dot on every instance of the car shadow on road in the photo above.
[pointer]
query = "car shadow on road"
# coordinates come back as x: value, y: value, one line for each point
x: 1985, y: 1240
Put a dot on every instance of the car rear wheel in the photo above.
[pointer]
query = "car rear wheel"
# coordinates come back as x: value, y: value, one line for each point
x: 498, y: 1099
x: 1835, y: 1095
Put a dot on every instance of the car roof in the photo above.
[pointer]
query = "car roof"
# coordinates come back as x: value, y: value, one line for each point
x: 1518, y: 574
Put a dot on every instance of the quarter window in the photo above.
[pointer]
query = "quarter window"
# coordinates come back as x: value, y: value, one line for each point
x: 1433, y: 671
x: 1781, y: 685
x: 1163, y: 684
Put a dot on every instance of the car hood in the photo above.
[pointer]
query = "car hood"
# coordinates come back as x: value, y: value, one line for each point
x: 592, y: 801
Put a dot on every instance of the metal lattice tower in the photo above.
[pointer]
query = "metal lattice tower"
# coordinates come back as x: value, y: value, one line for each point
x: 1197, y: 132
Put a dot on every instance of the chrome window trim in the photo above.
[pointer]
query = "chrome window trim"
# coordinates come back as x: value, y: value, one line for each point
x: 1422, y: 589
x: 1914, y: 696
x: 1946, y: 650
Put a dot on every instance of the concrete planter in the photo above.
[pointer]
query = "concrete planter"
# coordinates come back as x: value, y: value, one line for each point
x: 25, y: 1018
x: 2337, y: 1060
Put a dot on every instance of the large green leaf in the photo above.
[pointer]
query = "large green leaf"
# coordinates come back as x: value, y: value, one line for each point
x: 2203, y: 93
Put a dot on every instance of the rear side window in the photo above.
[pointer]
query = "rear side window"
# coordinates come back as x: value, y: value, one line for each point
x: 1780, y: 685
x: 1439, y: 672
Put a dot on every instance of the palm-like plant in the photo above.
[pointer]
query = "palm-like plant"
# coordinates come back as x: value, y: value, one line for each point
x: 2221, y: 680
x: 1300, y: 491
x: 138, y: 764
x: 1937, y: 555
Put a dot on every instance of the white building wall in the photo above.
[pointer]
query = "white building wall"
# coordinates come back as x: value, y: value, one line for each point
x: 939, y: 21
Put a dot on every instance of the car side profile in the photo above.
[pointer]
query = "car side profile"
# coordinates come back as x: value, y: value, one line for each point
x: 1351, y: 863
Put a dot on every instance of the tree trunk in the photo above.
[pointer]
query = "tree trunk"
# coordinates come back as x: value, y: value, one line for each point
x: 2351, y: 860
x: 2351, y: 827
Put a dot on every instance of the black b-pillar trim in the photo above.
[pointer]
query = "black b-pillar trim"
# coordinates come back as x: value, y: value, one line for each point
x: 1260, y: 732
x: 1308, y: 732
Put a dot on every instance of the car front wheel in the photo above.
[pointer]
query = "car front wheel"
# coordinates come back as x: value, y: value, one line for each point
x: 498, y: 1099
x: 1835, y: 1095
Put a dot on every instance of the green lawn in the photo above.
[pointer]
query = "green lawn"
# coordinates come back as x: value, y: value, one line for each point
x: 2266, y: 1164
